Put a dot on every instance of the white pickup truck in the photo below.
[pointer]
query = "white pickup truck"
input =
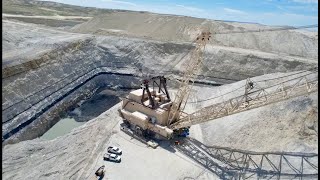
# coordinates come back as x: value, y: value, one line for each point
x: 114, y: 150
x: 112, y: 157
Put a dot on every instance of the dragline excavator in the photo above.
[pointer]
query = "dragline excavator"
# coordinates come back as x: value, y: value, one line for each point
x: 150, y: 111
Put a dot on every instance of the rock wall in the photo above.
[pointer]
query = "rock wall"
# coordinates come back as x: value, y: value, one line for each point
x: 28, y: 92
x: 30, y: 124
x: 180, y: 28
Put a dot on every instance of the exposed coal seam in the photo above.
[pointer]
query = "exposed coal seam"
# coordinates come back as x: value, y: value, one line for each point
x: 41, y: 92
x: 42, y: 111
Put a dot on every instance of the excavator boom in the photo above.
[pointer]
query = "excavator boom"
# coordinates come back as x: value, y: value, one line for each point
x: 191, y: 71
x: 252, y: 98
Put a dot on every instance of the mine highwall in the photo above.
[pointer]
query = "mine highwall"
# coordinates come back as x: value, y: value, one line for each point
x: 28, y: 95
x: 49, y: 114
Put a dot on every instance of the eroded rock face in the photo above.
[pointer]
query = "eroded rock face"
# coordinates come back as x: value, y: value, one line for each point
x: 180, y: 28
x: 79, y: 153
x: 69, y: 59
x: 65, y: 157
x: 63, y: 62
x: 309, y: 127
x: 283, y: 126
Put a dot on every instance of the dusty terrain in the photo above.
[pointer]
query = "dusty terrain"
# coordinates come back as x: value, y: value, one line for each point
x: 80, y: 152
x: 291, y: 123
x: 179, y: 28
x: 48, y: 67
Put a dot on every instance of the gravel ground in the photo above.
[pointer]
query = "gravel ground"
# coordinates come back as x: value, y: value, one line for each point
x: 180, y: 28
x: 284, y: 126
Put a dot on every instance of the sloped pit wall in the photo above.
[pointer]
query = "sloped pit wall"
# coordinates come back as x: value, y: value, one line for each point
x: 178, y: 28
x: 135, y: 55
x: 38, y: 95
x: 31, y: 96
x: 27, y: 94
x: 224, y: 66
x: 33, y: 99
x: 30, y: 124
x: 220, y: 65
x: 56, y: 71
x: 44, y: 59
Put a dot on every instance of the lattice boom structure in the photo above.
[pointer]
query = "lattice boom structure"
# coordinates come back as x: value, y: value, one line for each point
x: 191, y: 71
x: 230, y: 163
x: 254, y: 97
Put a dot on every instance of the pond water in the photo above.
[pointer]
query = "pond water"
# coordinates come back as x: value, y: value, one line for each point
x: 64, y: 126
x: 84, y: 111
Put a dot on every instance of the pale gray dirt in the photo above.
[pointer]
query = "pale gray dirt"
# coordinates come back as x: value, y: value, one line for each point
x: 180, y: 28
x: 161, y: 163
x: 47, y: 17
x: 27, y: 42
x: 61, y: 158
x: 78, y: 154
x: 283, y: 126
x: 138, y: 45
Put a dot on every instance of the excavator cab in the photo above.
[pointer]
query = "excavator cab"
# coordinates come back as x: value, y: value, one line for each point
x: 182, y: 132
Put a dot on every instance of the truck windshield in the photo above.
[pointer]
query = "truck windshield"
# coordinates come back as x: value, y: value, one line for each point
x: 113, y: 155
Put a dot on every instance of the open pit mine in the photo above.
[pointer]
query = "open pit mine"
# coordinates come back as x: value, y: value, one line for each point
x: 92, y: 93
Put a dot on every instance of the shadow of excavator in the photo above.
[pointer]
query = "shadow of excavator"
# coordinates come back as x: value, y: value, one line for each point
x: 229, y: 163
